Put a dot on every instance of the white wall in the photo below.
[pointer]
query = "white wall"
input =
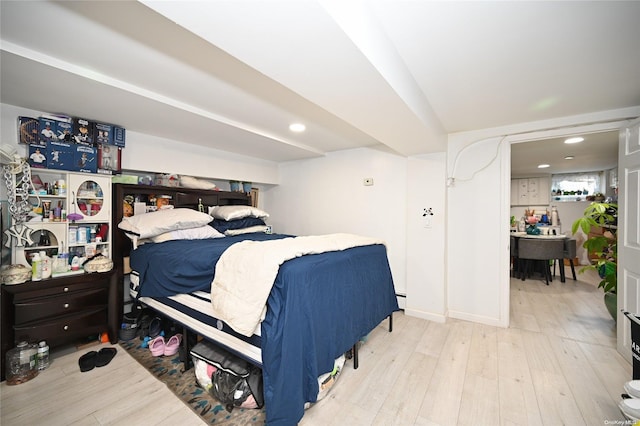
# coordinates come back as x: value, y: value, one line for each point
x: 327, y: 195
x: 474, y: 227
x: 426, y: 242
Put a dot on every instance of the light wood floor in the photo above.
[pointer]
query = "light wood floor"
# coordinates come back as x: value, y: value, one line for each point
x: 555, y: 365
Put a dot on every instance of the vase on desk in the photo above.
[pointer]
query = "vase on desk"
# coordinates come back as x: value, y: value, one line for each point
x: 533, y: 230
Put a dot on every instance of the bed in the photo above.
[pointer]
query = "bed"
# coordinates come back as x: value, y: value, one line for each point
x: 318, y: 306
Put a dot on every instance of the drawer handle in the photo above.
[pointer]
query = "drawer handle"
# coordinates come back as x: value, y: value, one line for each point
x: 66, y: 289
x: 66, y: 305
x: 65, y: 328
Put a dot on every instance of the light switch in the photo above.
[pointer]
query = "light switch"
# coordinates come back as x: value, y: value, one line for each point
x: 368, y: 182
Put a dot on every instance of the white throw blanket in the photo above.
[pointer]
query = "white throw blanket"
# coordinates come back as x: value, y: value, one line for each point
x: 247, y: 270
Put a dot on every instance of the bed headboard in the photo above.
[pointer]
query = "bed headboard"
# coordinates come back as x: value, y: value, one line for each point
x: 180, y: 197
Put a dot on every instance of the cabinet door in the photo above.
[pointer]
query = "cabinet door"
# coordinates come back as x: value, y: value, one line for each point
x: 514, y: 192
x: 523, y: 192
x: 46, y: 236
x: 534, y: 195
x: 92, y: 195
x: 544, y: 190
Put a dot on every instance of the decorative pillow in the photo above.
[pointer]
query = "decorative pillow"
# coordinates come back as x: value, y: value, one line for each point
x: 155, y: 223
x: 236, y: 212
x: 191, y: 182
x: 257, y: 228
x: 200, y: 233
x: 245, y: 222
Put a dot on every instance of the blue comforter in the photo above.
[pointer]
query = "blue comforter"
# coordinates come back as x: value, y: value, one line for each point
x: 183, y: 266
x: 319, y: 306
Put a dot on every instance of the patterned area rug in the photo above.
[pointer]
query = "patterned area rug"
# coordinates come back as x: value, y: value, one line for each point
x: 169, y: 371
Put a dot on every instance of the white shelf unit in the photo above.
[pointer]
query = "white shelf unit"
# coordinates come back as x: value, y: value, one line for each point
x: 86, y: 194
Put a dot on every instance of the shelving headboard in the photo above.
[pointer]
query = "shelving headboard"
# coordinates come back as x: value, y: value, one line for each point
x: 180, y: 197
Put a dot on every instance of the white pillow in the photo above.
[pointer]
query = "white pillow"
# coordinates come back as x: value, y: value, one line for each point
x: 155, y: 223
x: 257, y: 228
x: 191, y: 182
x: 201, y: 233
x: 236, y: 212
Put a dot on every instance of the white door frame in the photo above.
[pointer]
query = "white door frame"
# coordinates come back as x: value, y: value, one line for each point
x: 505, y: 210
x: 628, y: 294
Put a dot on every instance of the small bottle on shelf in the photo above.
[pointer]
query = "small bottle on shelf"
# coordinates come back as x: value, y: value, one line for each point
x: 46, y: 265
x: 555, y: 221
x: 36, y: 268
x: 57, y: 212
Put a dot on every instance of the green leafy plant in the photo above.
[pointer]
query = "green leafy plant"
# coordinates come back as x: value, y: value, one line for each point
x: 603, y: 247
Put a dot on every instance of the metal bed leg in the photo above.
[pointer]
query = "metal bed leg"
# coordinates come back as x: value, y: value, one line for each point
x: 186, y: 361
x: 355, y: 356
x: 353, y: 353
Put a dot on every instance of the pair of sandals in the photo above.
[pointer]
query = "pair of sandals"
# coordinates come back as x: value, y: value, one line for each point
x: 93, y: 359
x: 630, y: 404
x: 159, y: 347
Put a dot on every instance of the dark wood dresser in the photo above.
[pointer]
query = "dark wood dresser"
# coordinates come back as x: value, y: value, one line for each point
x: 60, y: 310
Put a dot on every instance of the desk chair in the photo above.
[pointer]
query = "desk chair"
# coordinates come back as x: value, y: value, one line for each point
x: 569, y: 253
x: 513, y: 247
x: 538, y: 250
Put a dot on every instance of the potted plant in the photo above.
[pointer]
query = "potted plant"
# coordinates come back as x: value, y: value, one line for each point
x: 602, y: 248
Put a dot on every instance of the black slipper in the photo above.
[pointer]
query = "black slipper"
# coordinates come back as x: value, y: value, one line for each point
x: 105, y: 355
x: 88, y: 361
x: 155, y: 327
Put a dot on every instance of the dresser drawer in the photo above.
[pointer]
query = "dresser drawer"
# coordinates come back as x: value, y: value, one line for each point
x: 66, y: 303
x: 82, y: 323
x: 90, y: 284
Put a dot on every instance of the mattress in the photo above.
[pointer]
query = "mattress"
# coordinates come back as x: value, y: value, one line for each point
x: 194, y: 311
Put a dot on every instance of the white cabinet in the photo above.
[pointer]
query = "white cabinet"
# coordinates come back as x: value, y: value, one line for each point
x: 530, y: 191
x: 88, y: 195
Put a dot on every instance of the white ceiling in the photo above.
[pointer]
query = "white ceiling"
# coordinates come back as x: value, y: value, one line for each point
x: 598, y: 151
x: 398, y: 75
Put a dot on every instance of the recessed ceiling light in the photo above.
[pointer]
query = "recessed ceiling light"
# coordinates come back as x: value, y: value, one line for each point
x: 543, y: 166
x: 297, y: 127
x: 569, y: 157
x: 574, y: 140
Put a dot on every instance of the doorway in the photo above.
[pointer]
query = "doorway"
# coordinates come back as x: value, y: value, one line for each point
x: 573, y: 173
x: 531, y: 142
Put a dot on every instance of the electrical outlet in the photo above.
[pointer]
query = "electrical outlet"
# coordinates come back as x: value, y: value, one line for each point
x: 368, y: 182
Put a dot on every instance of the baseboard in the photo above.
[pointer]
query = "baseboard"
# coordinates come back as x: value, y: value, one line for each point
x: 425, y: 315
